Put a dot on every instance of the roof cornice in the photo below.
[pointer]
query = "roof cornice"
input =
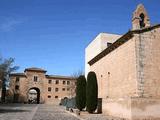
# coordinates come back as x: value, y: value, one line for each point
x: 121, y: 41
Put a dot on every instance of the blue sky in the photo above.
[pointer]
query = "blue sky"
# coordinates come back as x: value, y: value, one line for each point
x: 53, y: 34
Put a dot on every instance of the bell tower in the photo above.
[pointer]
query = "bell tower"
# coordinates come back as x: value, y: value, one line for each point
x: 140, y: 18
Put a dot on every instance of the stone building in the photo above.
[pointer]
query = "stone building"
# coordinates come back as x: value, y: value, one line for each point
x: 35, y: 86
x: 128, y: 69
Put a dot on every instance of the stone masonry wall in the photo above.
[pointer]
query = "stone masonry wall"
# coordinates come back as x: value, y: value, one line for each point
x: 66, y: 87
x: 22, y: 87
x: 150, y: 63
x: 116, y: 72
x: 40, y: 84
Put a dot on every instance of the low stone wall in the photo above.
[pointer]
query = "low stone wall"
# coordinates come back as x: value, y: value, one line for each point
x: 132, y: 108
x: 145, y: 109
x: 117, y: 108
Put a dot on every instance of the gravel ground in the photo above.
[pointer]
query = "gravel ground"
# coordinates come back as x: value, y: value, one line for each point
x: 44, y: 112
x: 17, y: 111
x: 52, y: 112
x: 34, y: 112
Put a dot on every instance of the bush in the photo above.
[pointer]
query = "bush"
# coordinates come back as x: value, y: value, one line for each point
x: 91, y: 92
x: 71, y: 103
x: 63, y: 101
x: 81, y: 92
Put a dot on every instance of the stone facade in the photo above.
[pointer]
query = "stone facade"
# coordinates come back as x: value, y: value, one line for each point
x: 128, y: 71
x: 110, y: 73
x: 49, y: 88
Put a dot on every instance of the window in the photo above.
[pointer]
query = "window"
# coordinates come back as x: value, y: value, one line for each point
x: 17, y: 87
x: 35, y: 78
x: 63, y: 89
x: 49, y: 89
x: 141, y: 21
x: 49, y: 96
x: 56, y: 96
x: 56, y: 89
x: 68, y: 82
x: 49, y: 81
x: 68, y: 89
x: 109, y: 44
x: 57, y: 81
x: 17, y: 79
x: 64, y: 82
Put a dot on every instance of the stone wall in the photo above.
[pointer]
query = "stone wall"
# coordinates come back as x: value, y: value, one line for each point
x: 150, y: 63
x: 22, y: 88
x: 116, y: 72
x: 119, y: 108
x: 129, y: 76
x: 145, y: 109
x: 26, y: 82
x: 40, y: 84
x: 64, y: 90
x: 132, y: 108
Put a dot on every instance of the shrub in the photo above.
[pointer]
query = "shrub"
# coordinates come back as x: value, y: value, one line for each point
x: 81, y: 93
x: 71, y: 103
x: 91, y: 92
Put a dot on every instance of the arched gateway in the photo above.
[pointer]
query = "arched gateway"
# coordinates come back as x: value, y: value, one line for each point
x: 34, y: 95
x: 35, y: 86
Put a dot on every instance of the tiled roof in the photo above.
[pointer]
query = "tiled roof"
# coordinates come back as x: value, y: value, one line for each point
x: 120, y: 41
x: 35, y: 69
x: 59, y: 77
x: 17, y: 74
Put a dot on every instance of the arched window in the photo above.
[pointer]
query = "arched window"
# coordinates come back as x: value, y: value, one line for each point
x: 141, y: 21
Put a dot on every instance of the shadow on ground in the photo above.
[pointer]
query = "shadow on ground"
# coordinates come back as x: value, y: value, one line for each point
x: 12, y: 110
x: 16, y: 105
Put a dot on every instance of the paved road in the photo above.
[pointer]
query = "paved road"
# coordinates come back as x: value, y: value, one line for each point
x: 34, y: 112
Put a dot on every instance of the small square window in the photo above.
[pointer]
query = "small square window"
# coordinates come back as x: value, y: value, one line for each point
x: 56, y: 96
x: 17, y: 79
x: 17, y: 87
x: 35, y: 78
x: 49, y: 96
x: 57, y: 81
x: 49, y: 81
x: 49, y: 89
x: 56, y: 89
x: 64, y: 82
x: 68, y: 82
x: 63, y: 89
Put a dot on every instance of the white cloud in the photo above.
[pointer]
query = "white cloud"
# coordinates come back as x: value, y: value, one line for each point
x: 9, y: 24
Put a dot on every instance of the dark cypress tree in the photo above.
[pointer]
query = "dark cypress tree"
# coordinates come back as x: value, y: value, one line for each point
x: 91, y: 92
x: 81, y: 92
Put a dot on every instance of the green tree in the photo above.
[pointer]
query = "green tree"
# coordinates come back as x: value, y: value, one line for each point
x: 91, y: 92
x: 81, y: 92
x: 6, y: 67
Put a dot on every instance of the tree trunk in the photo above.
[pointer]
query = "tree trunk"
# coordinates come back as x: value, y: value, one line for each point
x: 3, y: 92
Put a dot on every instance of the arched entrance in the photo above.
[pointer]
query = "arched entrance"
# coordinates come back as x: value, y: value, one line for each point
x: 34, y: 95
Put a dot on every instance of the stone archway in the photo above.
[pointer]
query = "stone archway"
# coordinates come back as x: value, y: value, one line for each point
x: 34, y: 95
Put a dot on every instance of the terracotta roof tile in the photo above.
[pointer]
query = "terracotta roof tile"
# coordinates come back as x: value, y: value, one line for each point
x: 34, y: 69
